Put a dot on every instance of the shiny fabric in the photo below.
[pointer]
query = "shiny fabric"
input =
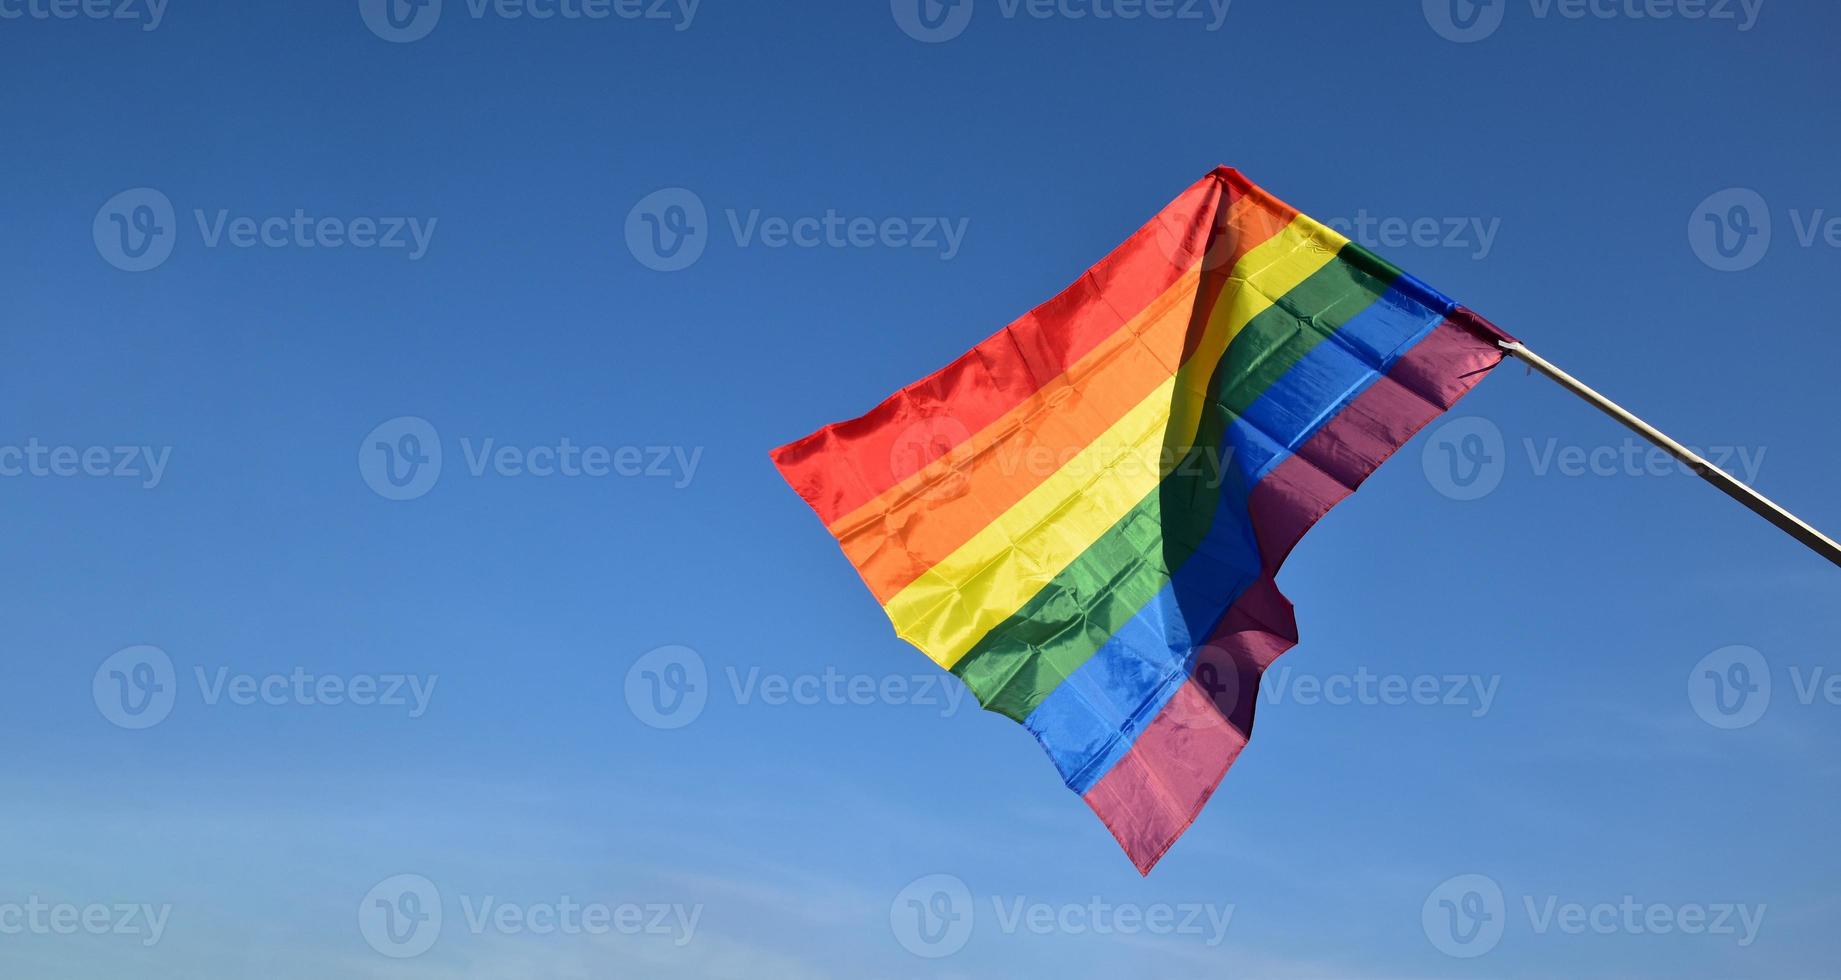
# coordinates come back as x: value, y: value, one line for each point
x: 1082, y: 517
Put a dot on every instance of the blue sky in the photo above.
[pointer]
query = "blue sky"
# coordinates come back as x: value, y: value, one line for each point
x: 432, y: 229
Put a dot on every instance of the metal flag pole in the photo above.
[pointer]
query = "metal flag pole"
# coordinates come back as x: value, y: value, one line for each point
x: 1728, y: 484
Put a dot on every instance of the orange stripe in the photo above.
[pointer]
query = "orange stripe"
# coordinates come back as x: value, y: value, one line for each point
x: 904, y: 531
x: 846, y: 464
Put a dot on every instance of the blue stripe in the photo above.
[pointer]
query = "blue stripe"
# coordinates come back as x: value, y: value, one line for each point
x: 1326, y: 380
x: 1089, y: 721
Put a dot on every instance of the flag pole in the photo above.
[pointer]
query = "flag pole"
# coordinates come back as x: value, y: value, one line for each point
x: 1761, y: 505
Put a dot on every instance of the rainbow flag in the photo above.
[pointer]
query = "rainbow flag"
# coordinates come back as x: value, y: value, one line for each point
x: 1082, y: 516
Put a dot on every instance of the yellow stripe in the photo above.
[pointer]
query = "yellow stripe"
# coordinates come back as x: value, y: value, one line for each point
x: 955, y: 603
x: 1160, y: 315
x: 1260, y: 278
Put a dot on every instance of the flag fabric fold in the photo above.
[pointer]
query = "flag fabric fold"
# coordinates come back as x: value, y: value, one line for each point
x: 1082, y: 517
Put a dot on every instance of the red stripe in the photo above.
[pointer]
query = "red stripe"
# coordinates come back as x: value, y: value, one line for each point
x: 844, y: 465
x: 1152, y: 795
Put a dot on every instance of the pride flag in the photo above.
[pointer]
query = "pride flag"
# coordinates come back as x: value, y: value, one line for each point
x: 1082, y: 516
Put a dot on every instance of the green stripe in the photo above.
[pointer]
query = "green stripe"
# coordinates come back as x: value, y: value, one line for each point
x: 1017, y: 664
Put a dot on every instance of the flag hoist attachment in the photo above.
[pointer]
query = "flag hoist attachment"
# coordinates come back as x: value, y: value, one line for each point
x: 1728, y: 484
